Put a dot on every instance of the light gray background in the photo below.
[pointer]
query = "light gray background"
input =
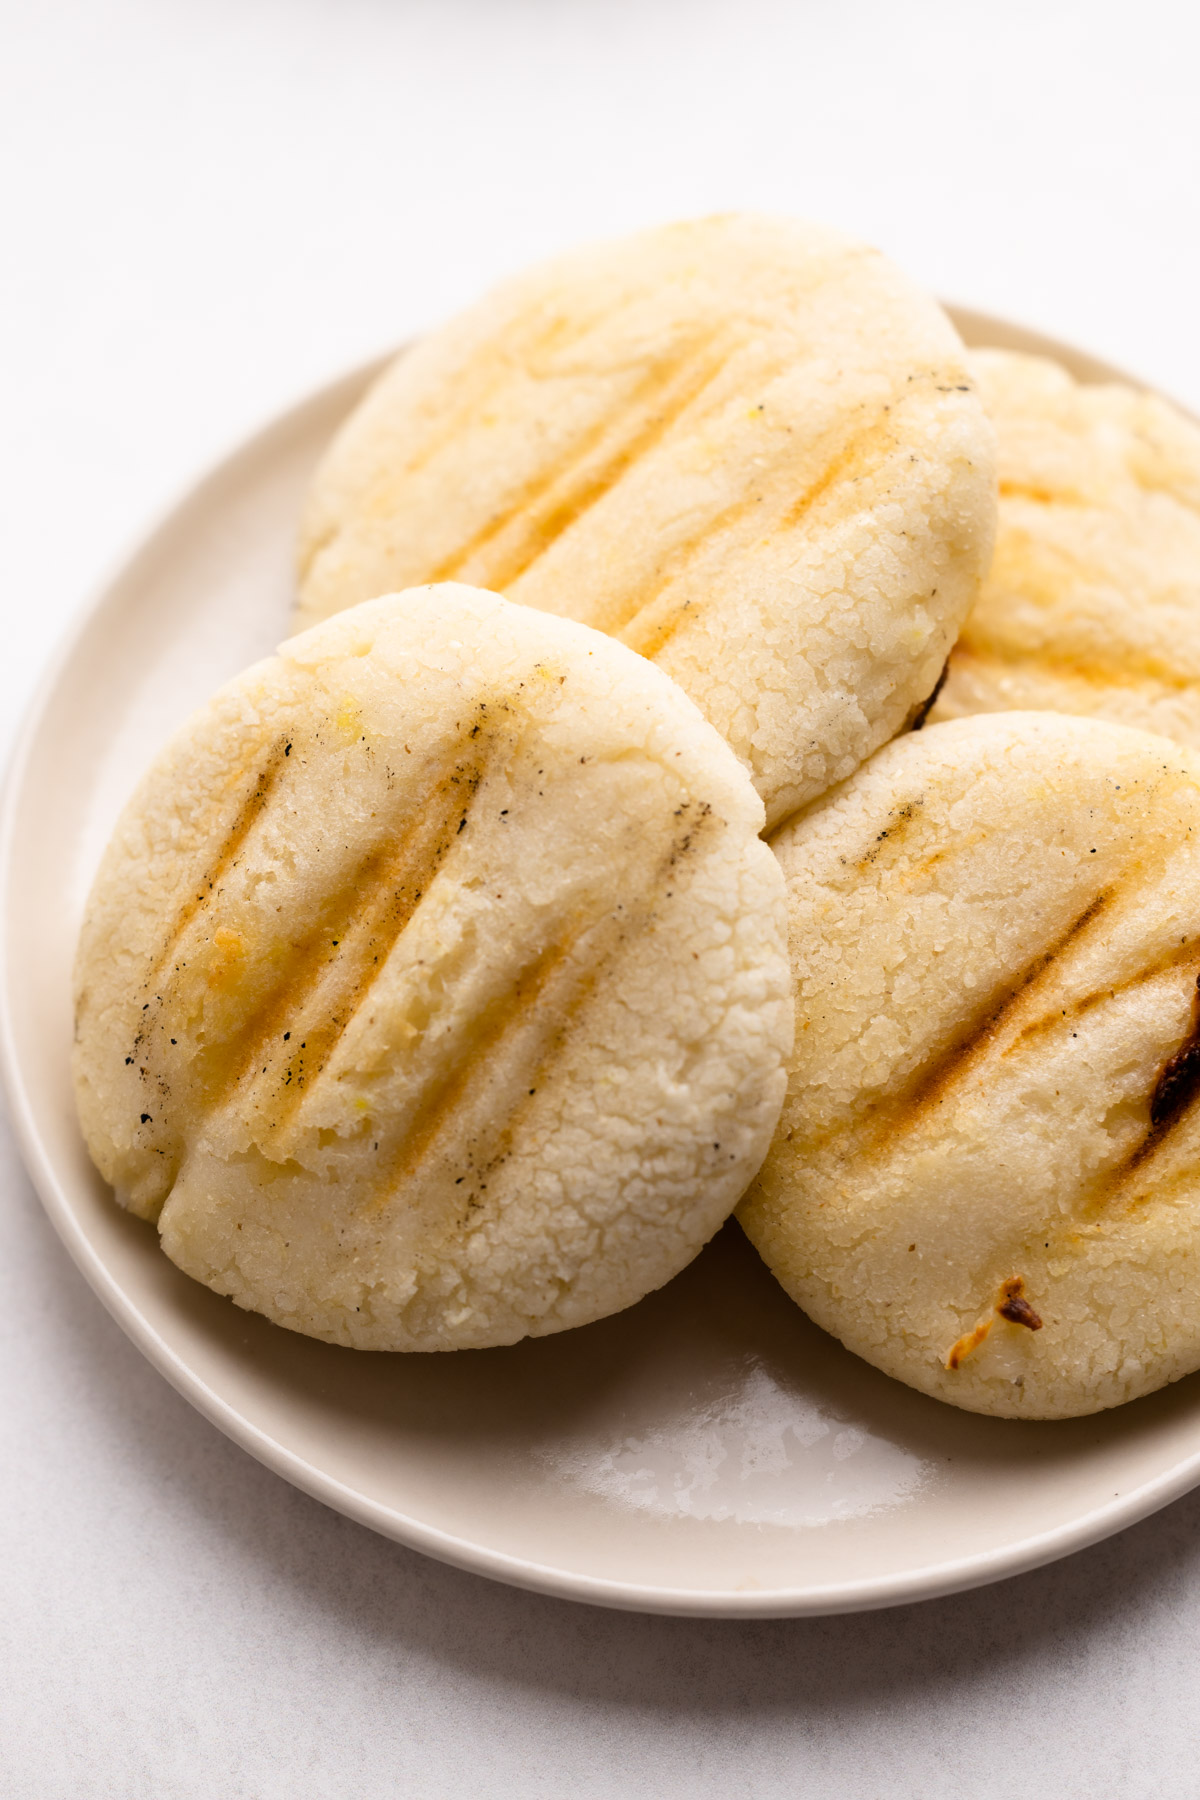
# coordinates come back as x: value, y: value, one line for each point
x: 207, y: 207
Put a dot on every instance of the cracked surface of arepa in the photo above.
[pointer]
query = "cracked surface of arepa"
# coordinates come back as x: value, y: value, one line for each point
x: 1093, y: 600
x: 749, y: 448
x: 986, y: 1178
x: 433, y: 989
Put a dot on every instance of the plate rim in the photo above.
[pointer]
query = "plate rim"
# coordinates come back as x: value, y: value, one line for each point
x: 868, y: 1593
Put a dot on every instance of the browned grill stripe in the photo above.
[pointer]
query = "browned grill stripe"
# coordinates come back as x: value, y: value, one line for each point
x: 1129, y: 670
x: 863, y: 452
x: 558, y: 980
x: 504, y: 1019
x: 904, y: 814
x: 670, y: 409
x: 380, y: 898
x: 448, y: 423
x: 373, y: 908
x: 551, y: 505
x: 903, y: 1112
x: 635, y: 619
x: 649, y: 619
x: 650, y: 637
x: 245, y: 819
x: 1028, y: 490
x: 935, y: 1078
x: 1180, y: 957
x: 576, y: 989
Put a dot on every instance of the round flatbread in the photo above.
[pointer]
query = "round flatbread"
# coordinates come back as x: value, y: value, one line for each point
x: 1093, y: 601
x: 433, y: 990
x: 748, y: 448
x: 986, y: 1179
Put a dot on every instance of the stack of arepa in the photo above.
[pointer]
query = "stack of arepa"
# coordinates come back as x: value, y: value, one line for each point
x: 694, y: 786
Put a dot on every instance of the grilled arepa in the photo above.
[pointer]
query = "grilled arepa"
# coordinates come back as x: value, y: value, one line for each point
x: 748, y: 448
x: 1093, y: 601
x: 433, y: 990
x: 986, y: 1178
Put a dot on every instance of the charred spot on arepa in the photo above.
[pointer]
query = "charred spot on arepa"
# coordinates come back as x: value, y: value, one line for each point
x: 890, y: 836
x: 1177, y: 1086
x: 923, y: 708
x: 1012, y: 1305
x: 1168, y: 1112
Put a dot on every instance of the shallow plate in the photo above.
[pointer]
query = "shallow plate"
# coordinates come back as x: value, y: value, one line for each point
x: 707, y: 1452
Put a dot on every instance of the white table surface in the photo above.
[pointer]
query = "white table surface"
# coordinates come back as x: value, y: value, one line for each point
x: 207, y: 207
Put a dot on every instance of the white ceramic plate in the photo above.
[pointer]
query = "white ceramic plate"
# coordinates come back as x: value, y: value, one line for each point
x: 709, y: 1451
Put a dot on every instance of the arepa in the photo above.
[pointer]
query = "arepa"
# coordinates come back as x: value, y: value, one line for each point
x: 747, y: 447
x: 433, y: 988
x: 1093, y: 600
x: 986, y: 1178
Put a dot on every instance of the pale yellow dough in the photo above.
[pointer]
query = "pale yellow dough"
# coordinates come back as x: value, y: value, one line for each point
x: 747, y: 447
x: 433, y: 990
x: 991, y: 1118
x: 1093, y: 601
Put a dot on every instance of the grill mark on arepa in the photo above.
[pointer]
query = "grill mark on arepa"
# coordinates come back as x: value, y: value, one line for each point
x: 1171, y: 1103
x: 853, y: 458
x: 551, y: 504
x: 651, y: 635
x: 1132, y: 671
x: 557, y: 982
x: 407, y: 860
x: 442, y: 430
x: 648, y: 618
x: 378, y: 903
x: 636, y: 608
x: 1014, y: 489
x: 1179, y: 957
x: 934, y: 1079
x: 449, y: 422
x: 693, y: 382
x: 930, y: 1082
x: 445, y: 1096
x: 578, y: 987
x: 245, y: 819
x: 900, y: 817
x: 362, y: 922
